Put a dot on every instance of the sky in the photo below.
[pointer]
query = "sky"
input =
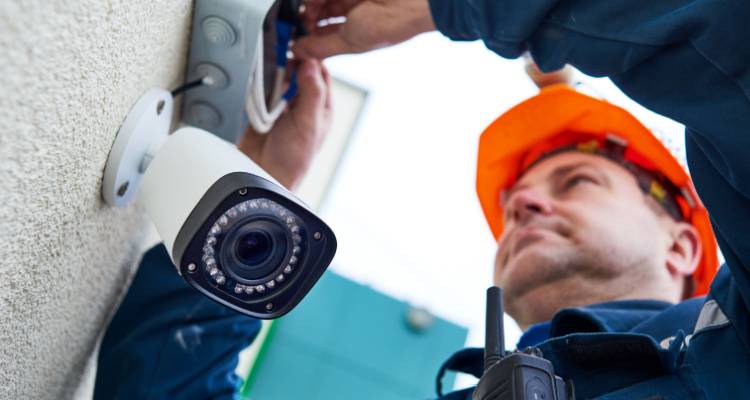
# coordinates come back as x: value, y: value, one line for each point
x: 402, y: 203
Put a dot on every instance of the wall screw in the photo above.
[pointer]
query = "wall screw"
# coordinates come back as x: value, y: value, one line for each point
x: 317, y: 235
x: 123, y: 189
x: 243, y: 191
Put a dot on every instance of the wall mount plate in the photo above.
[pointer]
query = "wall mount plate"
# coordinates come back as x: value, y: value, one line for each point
x: 144, y: 129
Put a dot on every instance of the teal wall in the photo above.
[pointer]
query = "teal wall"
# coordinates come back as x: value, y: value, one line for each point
x: 347, y: 341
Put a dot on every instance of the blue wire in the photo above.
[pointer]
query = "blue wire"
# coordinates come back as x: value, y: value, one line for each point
x: 283, y: 36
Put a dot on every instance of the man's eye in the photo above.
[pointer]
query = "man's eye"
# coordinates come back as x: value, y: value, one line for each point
x: 577, y: 180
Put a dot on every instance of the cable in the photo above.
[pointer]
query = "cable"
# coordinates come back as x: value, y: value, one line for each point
x: 259, y: 116
x: 206, y: 80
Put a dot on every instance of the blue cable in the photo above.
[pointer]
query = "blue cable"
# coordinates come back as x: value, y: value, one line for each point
x: 283, y: 36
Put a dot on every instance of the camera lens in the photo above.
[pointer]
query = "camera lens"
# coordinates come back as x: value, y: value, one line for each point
x: 254, y: 247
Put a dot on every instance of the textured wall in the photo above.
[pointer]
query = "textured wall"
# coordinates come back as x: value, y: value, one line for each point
x: 70, y: 71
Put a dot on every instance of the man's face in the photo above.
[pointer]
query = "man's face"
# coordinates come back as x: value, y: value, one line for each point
x: 578, y: 230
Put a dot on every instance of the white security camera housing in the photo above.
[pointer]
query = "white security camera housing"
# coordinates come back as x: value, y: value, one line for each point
x: 185, y: 169
x: 232, y: 231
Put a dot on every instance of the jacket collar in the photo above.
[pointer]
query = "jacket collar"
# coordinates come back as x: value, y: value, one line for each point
x: 610, y: 317
x: 613, y: 316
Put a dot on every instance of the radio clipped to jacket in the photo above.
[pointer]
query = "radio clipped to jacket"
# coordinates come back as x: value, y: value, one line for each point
x: 523, y: 375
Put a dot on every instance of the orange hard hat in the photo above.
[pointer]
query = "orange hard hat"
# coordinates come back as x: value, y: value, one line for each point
x: 560, y: 116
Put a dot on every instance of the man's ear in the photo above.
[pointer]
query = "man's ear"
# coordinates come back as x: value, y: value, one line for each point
x: 686, y: 250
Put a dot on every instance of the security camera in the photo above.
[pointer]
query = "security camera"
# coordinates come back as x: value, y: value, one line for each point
x: 232, y: 231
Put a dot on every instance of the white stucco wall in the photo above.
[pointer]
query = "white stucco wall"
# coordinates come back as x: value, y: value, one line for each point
x: 69, y: 71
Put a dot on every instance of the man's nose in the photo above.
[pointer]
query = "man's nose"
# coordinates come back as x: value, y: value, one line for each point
x: 525, y: 204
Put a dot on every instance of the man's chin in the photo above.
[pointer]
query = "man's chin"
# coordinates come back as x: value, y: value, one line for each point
x: 531, y: 268
x: 535, y: 297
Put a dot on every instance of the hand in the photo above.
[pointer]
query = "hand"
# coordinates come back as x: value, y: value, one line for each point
x: 564, y: 75
x: 288, y: 149
x: 370, y: 24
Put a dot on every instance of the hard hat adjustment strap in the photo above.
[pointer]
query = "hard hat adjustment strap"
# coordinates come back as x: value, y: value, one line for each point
x: 652, y: 183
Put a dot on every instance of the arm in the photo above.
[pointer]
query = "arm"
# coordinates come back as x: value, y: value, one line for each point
x: 685, y: 59
x: 287, y: 151
x: 167, y: 340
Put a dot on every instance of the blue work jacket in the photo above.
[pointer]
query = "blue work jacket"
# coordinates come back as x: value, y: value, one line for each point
x: 168, y: 341
x: 688, y: 60
x: 632, y: 349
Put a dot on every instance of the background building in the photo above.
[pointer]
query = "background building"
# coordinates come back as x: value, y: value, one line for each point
x: 345, y: 341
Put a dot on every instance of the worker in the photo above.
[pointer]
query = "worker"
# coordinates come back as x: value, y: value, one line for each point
x: 602, y: 242
x: 599, y: 230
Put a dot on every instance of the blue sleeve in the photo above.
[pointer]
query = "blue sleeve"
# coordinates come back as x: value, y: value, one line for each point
x: 168, y: 341
x: 686, y: 59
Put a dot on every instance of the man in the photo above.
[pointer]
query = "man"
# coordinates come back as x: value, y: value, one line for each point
x: 576, y: 229
x: 585, y: 216
x: 593, y: 212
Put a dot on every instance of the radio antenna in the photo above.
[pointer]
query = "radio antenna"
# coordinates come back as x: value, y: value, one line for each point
x: 494, y: 339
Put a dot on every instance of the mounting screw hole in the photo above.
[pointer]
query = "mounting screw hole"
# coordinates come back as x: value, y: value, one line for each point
x: 123, y: 189
x: 160, y: 107
x: 243, y: 191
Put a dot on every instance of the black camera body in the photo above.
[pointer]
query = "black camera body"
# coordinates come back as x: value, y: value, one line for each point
x: 519, y: 375
x: 252, y: 246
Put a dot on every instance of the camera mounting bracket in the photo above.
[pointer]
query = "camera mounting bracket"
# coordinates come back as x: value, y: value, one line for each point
x: 145, y: 128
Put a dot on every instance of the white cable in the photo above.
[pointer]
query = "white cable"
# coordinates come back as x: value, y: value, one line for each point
x: 258, y: 114
x: 278, y: 87
x: 257, y: 117
x: 259, y: 97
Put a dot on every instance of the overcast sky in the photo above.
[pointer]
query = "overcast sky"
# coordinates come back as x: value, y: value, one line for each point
x: 403, y: 204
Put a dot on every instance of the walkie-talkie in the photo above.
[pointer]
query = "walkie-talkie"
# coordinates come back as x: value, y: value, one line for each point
x: 521, y: 375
